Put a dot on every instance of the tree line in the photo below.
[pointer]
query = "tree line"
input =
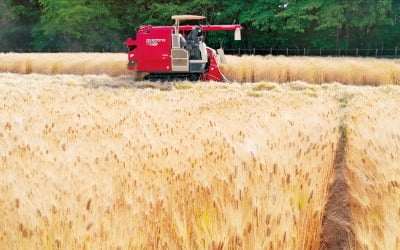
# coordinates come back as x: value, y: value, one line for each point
x: 103, y: 25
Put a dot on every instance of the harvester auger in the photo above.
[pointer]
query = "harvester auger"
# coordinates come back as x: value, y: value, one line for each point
x: 167, y: 53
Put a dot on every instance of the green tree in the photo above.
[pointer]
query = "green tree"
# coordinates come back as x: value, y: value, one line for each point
x: 363, y: 21
x: 77, y: 24
x: 17, y: 19
x: 105, y: 24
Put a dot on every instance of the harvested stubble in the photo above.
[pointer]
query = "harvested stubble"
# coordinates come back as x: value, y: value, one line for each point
x: 373, y: 167
x: 346, y: 70
x: 203, y: 167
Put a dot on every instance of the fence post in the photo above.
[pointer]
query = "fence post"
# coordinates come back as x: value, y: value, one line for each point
x: 339, y: 51
x: 254, y: 51
x: 270, y: 51
x: 376, y: 53
x: 320, y: 52
x: 304, y: 51
x: 287, y: 51
x: 395, y: 52
x: 357, y: 52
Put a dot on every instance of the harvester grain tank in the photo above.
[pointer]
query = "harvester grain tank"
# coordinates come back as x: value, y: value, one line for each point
x: 167, y: 53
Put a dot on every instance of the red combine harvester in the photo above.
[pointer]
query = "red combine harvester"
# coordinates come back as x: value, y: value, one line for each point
x: 167, y: 53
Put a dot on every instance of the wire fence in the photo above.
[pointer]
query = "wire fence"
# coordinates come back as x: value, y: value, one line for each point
x: 380, y: 53
x: 63, y: 50
x: 376, y: 52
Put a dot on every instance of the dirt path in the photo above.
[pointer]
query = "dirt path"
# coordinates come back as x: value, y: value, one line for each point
x: 337, y: 226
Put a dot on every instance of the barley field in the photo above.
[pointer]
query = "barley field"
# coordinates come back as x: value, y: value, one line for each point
x: 373, y: 168
x: 112, y: 64
x: 346, y: 70
x: 88, y: 165
x: 91, y: 159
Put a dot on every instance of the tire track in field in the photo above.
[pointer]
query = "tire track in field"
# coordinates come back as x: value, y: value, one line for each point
x: 337, y: 227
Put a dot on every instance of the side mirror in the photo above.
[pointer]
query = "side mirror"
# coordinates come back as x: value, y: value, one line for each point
x: 237, y: 34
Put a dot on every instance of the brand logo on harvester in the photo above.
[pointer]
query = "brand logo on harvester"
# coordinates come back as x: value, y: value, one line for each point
x: 155, y: 42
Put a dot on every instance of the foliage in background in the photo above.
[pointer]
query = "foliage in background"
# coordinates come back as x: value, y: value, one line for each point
x: 104, y: 24
x: 17, y: 20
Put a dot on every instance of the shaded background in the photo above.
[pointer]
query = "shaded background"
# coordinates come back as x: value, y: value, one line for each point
x: 312, y: 27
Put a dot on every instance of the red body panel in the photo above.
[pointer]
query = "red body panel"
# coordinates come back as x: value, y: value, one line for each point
x: 153, y: 49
